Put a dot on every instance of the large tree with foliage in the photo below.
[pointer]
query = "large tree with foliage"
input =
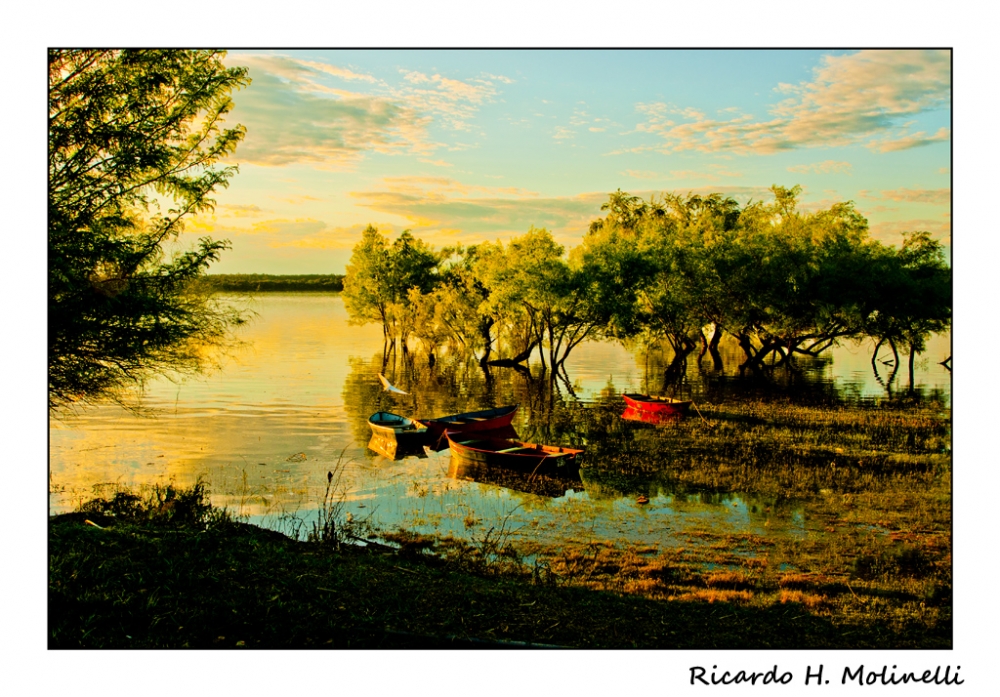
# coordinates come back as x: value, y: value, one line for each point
x: 135, y: 139
x: 380, y: 277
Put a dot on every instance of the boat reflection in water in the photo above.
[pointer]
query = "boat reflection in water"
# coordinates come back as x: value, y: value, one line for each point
x: 656, y: 418
x: 551, y: 481
x: 550, y: 485
x: 395, y: 449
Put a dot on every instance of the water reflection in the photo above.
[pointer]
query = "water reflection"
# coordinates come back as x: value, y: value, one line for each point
x: 551, y: 485
x: 264, y: 432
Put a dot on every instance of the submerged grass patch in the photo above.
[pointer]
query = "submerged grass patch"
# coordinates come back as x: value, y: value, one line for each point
x: 863, y: 493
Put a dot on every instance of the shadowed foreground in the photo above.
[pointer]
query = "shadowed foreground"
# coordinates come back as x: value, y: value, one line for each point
x: 226, y: 585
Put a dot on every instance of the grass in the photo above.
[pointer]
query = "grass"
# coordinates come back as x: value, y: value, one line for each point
x: 166, y: 570
x: 870, y: 565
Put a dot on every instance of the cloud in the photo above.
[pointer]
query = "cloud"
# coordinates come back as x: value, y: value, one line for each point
x: 642, y: 174
x: 824, y: 167
x: 499, y: 78
x: 563, y: 133
x: 451, y: 102
x: 905, y: 142
x: 851, y: 99
x: 286, y: 125
x: 283, y: 227
x: 891, y: 232
x: 327, y: 238
x: 300, y: 111
x: 439, y: 206
x: 241, y: 210
x: 938, y: 196
x: 298, y: 199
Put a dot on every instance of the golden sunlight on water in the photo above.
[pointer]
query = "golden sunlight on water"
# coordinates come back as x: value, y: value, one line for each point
x: 291, y: 405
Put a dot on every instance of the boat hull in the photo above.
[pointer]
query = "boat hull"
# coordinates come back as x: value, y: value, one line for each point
x: 471, y: 422
x: 514, y: 454
x: 655, y: 418
x: 660, y: 405
x: 398, y: 429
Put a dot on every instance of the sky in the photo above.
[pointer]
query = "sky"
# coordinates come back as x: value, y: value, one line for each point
x: 465, y: 146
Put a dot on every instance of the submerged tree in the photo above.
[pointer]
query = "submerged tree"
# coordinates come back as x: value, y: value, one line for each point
x: 780, y: 281
x: 380, y: 277
x: 135, y: 137
x: 912, y: 298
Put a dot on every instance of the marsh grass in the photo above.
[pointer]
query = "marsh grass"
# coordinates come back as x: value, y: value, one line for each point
x: 189, y: 576
x: 869, y: 565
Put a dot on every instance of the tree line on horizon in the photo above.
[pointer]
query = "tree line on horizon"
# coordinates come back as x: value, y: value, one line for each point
x: 687, y: 270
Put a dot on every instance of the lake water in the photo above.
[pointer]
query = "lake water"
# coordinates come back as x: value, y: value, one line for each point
x: 291, y: 405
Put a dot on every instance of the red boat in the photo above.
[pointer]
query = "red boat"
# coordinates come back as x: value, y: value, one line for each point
x: 662, y: 405
x: 515, y: 454
x: 485, y: 420
x: 657, y: 418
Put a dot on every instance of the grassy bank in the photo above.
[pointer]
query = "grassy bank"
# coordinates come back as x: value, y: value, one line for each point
x: 166, y: 570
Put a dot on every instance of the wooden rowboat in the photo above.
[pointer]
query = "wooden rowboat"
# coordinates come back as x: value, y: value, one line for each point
x: 485, y: 420
x: 530, y: 457
x: 663, y: 405
x: 393, y: 427
x: 656, y: 418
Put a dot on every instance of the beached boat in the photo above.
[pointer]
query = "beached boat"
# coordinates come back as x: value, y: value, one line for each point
x: 655, y: 418
x: 485, y: 420
x: 530, y: 457
x: 663, y: 405
x: 393, y: 427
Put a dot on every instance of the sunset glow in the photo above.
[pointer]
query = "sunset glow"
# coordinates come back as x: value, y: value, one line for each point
x: 462, y: 146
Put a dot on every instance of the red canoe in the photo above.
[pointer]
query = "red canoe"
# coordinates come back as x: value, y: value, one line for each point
x: 485, y: 420
x: 662, y: 405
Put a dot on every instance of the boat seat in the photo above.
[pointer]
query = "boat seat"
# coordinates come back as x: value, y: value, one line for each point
x: 518, y: 449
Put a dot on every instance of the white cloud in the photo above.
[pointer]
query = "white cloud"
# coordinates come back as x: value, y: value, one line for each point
x: 852, y: 98
x: 295, y: 111
x: 825, y: 167
x: 937, y: 196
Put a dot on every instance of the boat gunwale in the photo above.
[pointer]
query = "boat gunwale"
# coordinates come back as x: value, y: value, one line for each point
x: 539, y: 451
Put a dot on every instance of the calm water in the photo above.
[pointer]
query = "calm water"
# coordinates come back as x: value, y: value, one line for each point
x: 292, y: 403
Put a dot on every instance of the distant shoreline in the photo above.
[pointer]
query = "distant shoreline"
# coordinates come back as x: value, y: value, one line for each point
x: 268, y: 283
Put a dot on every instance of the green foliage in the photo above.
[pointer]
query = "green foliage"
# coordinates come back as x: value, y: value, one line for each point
x: 379, y: 279
x: 131, y: 133
x: 778, y: 280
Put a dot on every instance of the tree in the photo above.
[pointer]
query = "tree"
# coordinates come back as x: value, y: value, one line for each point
x: 379, y: 279
x: 367, y: 284
x: 913, y: 297
x: 132, y: 133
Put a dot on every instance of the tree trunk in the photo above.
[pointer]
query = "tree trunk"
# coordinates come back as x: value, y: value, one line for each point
x: 519, y: 358
x: 484, y: 331
x: 713, y: 348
